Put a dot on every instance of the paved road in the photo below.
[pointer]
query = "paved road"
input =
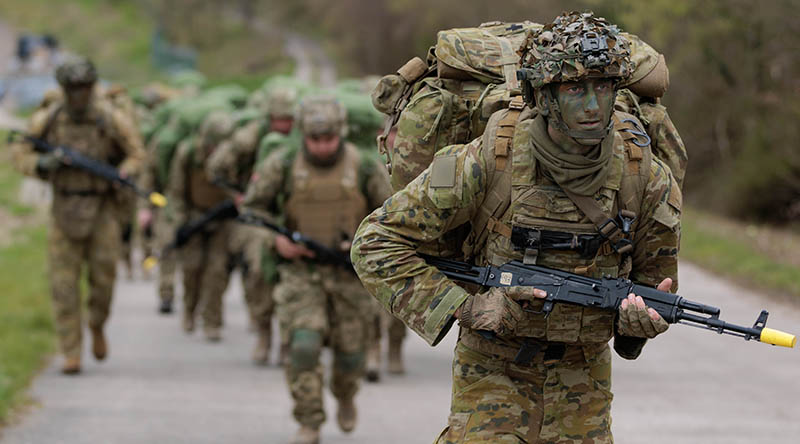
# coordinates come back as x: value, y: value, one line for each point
x: 160, y: 385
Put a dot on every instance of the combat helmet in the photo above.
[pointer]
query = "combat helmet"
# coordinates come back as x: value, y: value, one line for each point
x: 574, y: 47
x: 321, y: 114
x: 76, y: 72
x: 216, y: 127
x: 281, y: 102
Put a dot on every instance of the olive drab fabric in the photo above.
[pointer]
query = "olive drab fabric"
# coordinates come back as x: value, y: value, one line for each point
x: 326, y: 204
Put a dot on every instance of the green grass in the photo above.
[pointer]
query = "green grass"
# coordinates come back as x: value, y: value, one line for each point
x: 735, y: 256
x: 26, y: 326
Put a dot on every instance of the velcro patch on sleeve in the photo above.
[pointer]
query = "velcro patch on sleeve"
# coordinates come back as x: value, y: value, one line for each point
x: 443, y: 172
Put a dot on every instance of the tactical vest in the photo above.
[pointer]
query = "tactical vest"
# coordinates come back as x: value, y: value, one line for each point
x: 201, y: 193
x: 541, y: 224
x: 79, y: 195
x: 326, y: 204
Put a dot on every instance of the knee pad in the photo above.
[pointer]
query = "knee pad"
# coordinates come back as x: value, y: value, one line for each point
x: 304, y: 349
x: 349, y: 362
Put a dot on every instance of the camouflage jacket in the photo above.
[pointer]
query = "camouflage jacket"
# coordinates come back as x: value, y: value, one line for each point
x: 189, y: 192
x: 427, y: 209
x: 232, y: 163
x: 268, y: 188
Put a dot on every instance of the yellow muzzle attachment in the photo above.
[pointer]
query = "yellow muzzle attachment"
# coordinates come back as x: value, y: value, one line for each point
x: 149, y: 263
x: 777, y: 337
x: 158, y: 199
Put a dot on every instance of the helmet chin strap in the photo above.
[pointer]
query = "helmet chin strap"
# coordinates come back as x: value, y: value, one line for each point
x: 551, y: 110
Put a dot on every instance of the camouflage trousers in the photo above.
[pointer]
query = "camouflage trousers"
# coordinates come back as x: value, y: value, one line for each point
x: 247, y: 243
x: 322, y: 305
x: 207, y: 267
x: 168, y: 263
x: 563, y: 402
x: 99, y: 251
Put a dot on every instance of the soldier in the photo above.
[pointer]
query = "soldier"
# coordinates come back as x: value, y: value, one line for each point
x: 205, y: 260
x: 86, y: 209
x: 328, y: 187
x: 556, y: 171
x: 231, y: 167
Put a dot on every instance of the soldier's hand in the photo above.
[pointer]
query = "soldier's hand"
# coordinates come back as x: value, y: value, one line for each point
x: 636, y: 319
x: 144, y: 218
x: 290, y: 250
x: 496, y: 310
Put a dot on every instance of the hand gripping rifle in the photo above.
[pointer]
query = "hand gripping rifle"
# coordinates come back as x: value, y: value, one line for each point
x: 322, y: 253
x: 223, y: 210
x: 72, y: 158
x: 606, y: 293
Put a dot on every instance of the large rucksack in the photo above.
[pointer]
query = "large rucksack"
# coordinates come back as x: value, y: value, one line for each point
x: 468, y: 76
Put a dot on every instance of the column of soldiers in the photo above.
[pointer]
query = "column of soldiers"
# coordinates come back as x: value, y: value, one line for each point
x: 312, y: 180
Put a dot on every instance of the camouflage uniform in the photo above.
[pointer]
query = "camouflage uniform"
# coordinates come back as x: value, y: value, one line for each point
x: 320, y: 304
x: 86, y: 209
x: 563, y: 393
x: 231, y: 166
x: 205, y: 259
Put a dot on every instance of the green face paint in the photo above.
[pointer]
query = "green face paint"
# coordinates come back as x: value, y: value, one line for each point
x: 586, y: 105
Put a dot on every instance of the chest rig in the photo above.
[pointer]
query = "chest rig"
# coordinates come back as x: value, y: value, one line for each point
x: 591, y: 236
x: 79, y: 197
x: 326, y: 203
x: 90, y: 137
x: 201, y: 193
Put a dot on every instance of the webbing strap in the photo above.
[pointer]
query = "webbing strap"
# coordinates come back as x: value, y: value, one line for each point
x: 606, y: 226
x: 505, y: 132
x: 509, y: 60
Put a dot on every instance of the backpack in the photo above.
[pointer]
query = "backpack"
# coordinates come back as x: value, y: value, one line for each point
x: 468, y: 76
x: 448, y: 100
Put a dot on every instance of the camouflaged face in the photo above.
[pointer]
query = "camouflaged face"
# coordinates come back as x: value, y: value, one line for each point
x: 322, y: 115
x: 575, y: 46
x: 76, y: 72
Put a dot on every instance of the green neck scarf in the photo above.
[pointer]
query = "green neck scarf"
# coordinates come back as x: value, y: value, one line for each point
x: 581, y: 174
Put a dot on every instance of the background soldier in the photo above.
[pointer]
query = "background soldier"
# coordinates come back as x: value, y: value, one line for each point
x: 572, y: 161
x: 205, y: 260
x: 86, y: 209
x: 328, y: 187
x: 230, y: 167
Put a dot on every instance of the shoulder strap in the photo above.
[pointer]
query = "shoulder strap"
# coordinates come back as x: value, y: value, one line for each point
x: 617, y: 227
x: 51, y: 119
x: 498, y: 195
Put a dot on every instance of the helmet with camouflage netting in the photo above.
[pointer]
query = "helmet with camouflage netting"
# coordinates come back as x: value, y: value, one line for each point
x: 321, y: 114
x: 76, y: 72
x: 576, y: 46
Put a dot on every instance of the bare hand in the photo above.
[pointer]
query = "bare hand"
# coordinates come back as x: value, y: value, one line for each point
x: 144, y: 218
x: 290, y: 250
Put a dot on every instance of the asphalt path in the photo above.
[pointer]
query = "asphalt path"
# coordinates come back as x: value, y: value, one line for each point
x: 161, y: 385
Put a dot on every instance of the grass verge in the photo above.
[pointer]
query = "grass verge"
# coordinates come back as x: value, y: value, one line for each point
x: 757, y: 256
x: 26, y: 326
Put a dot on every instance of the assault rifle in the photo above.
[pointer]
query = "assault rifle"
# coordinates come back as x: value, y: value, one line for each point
x: 223, y: 210
x: 322, y: 253
x: 72, y: 158
x: 606, y: 293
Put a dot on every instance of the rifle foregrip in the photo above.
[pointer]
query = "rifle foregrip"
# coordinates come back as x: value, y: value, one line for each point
x: 777, y: 337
